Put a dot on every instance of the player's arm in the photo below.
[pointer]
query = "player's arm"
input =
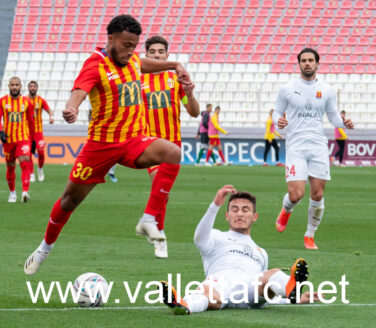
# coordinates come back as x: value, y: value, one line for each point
x: 279, y: 110
x: 3, y: 135
x: 48, y: 110
x: 216, y: 125
x: 71, y: 108
x: 203, y: 231
x: 149, y: 65
x: 30, y: 120
x: 334, y: 116
x: 189, y: 101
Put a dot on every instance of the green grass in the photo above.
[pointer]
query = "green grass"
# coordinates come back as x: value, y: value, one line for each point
x: 100, y: 237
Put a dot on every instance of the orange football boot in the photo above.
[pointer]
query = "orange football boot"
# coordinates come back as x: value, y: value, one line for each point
x: 178, y: 307
x: 309, y: 243
x: 299, y: 273
x: 282, y: 220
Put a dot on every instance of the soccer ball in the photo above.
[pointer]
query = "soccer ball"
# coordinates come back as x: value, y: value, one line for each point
x: 91, y: 286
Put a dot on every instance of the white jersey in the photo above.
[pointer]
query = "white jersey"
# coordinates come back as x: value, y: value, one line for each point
x: 305, y: 103
x: 228, y: 250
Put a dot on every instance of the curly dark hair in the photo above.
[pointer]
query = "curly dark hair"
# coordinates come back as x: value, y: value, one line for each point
x: 122, y: 23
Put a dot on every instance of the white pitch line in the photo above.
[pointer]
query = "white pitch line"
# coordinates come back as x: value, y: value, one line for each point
x: 157, y: 307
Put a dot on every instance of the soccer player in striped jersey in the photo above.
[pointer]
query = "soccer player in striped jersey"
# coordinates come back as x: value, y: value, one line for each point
x: 117, y: 132
x: 18, y: 116
x: 162, y: 95
x: 38, y: 144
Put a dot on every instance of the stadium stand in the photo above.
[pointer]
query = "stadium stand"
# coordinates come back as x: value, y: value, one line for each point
x: 238, y: 52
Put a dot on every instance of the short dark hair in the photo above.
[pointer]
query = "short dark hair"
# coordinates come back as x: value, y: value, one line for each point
x: 208, y: 105
x: 217, y: 107
x: 312, y: 51
x: 154, y: 40
x: 243, y: 195
x: 122, y: 23
x: 33, y: 82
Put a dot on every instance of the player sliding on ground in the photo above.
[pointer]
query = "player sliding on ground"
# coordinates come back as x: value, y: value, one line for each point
x: 236, y: 269
x: 117, y: 130
x: 305, y: 101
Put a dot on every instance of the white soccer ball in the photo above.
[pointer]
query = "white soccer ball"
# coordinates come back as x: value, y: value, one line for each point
x: 91, y: 286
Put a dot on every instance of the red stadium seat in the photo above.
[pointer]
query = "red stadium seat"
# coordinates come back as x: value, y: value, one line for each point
x: 268, y: 59
x: 276, y: 68
x: 219, y: 58
x: 366, y: 59
x: 17, y: 28
x: 311, y: 22
x: 254, y: 4
x: 60, y: 3
x: 328, y: 13
x: 255, y: 58
x: 280, y: 59
x: 360, y: 69
x: 277, y: 40
x: 346, y: 4
x: 341, y: 13
x: 344, y: 31
x: 207, y: 58
x: 348, y: 69
x: 353, y: 59
x: 195, y: 58
x: 366, y: 13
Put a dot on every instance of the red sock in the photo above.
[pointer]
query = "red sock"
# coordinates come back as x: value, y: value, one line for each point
x: 160, y: 217
x: 40, y: 158
x: 161, y: 187
x: 221, y: 154
x: 208, y: 155
x: 31, y: 165
x: 58, y: 219
x: 25, y: 175
x: 11, y: 177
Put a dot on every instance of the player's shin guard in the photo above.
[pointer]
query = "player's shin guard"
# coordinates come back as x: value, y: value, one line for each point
x: 221, y: 154
x: 278, y: 282
x: 196, y: 302
x: 287, y: 204
x: 31, y: 165
x: 40, y: 158
x: 161, y: 187
x: 315, y: 213
x: 58, y: 219
x: 11, y: 177
x: 25, y: 175
x: 209, y: 153
x: 160, y: 217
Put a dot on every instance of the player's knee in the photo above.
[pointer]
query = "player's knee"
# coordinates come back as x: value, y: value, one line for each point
x: 68, y: 202
x: 317, y: 195
x: 296, y: 196
x: 174, y: 154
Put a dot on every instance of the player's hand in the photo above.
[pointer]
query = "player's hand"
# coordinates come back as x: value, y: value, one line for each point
x: 3, y: 137
x: 70, y: 114
x: 282, y: 122
x: 52, y: 120
x: 305, y: 298
x: 348, y: 123
x: 188, y: 89
x: 220, y: 197
x: 183, y: 76
x: 33, y: 147
x: 197, y: 136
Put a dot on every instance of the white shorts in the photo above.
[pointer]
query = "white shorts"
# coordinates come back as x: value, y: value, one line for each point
x: 237, y: 289
x: 301, y: 164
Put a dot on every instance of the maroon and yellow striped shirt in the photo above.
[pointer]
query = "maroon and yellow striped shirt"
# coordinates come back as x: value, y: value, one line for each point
x: 162, y: 94
x: 39, y: 104
x: 115, y: 96
x: 18, y: 117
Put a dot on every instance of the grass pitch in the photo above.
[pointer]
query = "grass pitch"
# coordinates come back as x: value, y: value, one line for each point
x: 100, y: 238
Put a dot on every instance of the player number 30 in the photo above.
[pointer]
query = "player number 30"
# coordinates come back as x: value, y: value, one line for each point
x: 82, y: 173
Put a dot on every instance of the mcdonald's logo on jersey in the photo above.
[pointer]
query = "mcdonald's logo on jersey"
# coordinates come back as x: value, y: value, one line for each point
x: 129, y: 93
x: 159, y: 99
x: 15, y: 117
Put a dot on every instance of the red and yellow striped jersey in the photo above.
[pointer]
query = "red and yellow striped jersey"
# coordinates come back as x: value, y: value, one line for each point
x: 39, y: 104
x: 162, y: 94
x: 115, y: 96
x: 18, y: 117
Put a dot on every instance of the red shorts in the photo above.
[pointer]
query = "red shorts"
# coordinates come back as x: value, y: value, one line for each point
x: 96, y: 158
x: 38, y: 138
x: 214, y: 141
x: 155, y: 167
x: 14, y: 150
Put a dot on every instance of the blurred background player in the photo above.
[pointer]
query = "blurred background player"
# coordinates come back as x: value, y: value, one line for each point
x: 203, y: 133
x: 16, y: 134
x: 233, y: 262
x: 38, y: 143
x: 213, y: 133
x: 305, y: 102
x: 270, y: 139
x: 117, y: 131
x: 162, y: 95
x: 341, y: 137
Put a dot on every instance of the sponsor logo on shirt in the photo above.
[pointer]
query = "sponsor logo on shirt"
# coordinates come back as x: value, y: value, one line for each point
x: 130, y: 93
x: 112, y: 75
x: 171, y: 83
x: 318, y: 94
x: 158, y: 99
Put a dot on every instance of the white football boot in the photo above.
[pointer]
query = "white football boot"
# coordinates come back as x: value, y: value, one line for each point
x: 160, y: 249
x: 25, y: 197
x: 40, y: 174
x: 12, y: 197
x: 149, y: 230
x: 32, y: 177
x: 35, y: 260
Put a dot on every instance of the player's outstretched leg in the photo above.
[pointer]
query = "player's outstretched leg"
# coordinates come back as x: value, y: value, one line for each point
x: 181, y: 307
x: 35, y: 260
x: 299, y: 273
x: 40, y: 165
x: 315, y: 214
